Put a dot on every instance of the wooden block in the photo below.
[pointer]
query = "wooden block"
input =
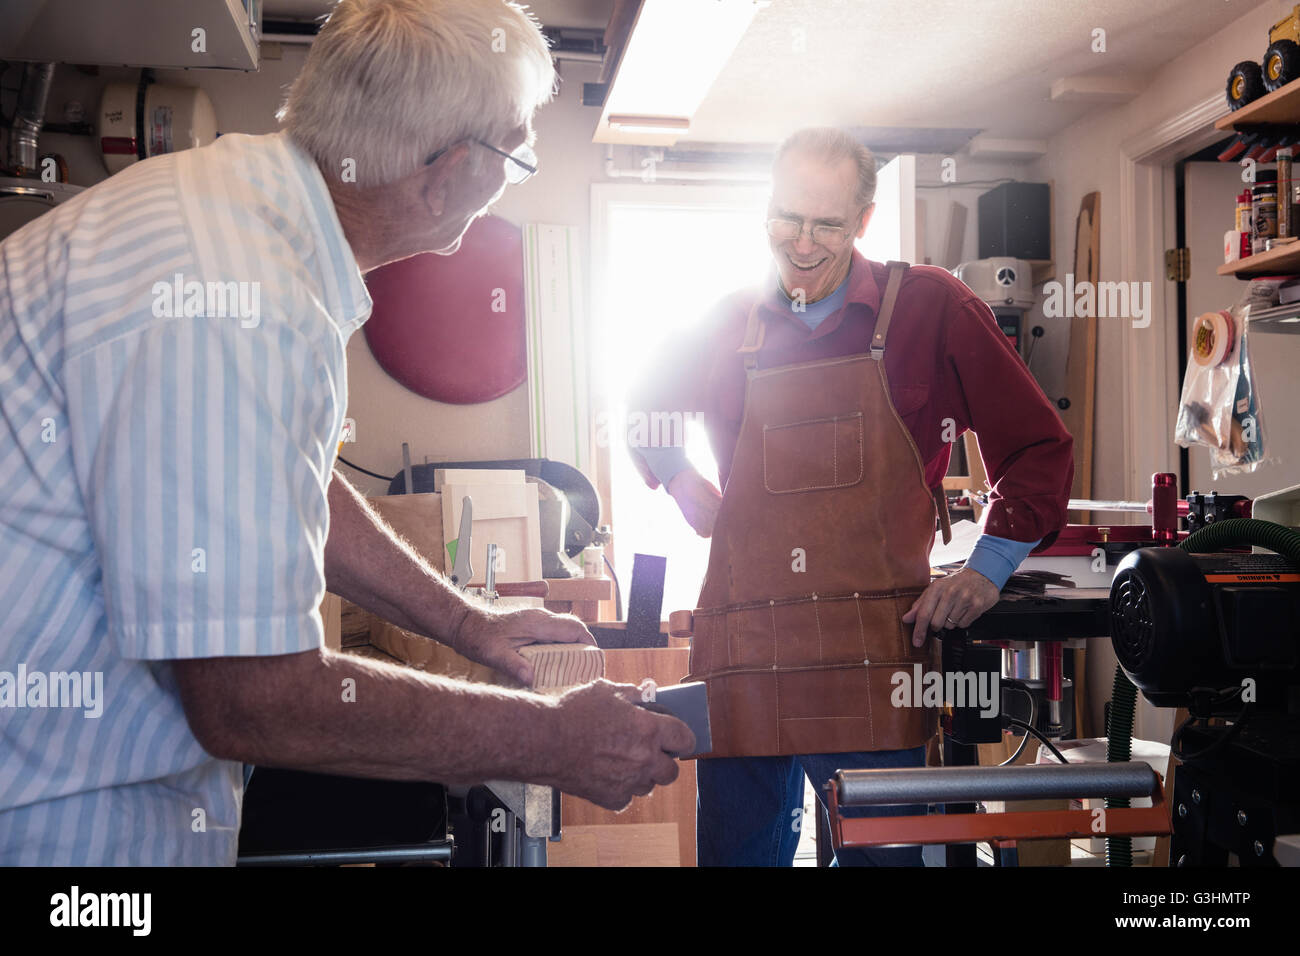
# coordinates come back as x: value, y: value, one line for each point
x: 681, y: 624
x: 355, y: 624
x: 477, y: 476
x: 555, y: 666
x: 426, y: 655
x: 629, y: 844
x: 578, y: 596
x: 580, y: 589
x: 331, y: 615
x: 418, y: 520
x: 371, y: 653
x: 558, y: 666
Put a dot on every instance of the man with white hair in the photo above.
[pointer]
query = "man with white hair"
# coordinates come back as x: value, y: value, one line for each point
x: 169, y: 519
x: 832, y: 397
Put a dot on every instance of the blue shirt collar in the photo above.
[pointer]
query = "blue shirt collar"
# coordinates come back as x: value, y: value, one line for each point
x: 813, y: 314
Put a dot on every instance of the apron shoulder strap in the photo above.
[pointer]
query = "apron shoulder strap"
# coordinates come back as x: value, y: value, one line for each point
x: 941, y: 505
x: 886, y: 313
x: 755, y: 331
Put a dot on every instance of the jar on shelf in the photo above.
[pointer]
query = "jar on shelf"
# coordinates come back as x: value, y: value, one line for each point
x: 1263, y: 210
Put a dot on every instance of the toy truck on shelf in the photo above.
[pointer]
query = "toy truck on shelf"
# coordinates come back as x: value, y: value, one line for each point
x: 1249, y: 80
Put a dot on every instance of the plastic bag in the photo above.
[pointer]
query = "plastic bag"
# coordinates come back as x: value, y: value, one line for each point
x: 1220, y: 405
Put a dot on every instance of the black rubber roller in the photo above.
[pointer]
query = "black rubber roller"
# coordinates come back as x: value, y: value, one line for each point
x: 865, y: 788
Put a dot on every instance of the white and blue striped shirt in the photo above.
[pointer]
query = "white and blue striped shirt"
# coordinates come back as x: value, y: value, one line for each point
x: 164, y: 466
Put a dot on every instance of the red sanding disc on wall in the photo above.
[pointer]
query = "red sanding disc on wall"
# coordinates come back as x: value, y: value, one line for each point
x: 451, y: 328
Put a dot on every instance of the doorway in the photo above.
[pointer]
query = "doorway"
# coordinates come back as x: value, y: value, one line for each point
x: 1208, y: 190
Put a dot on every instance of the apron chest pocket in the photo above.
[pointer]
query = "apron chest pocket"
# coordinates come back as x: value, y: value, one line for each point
x: 813, y: 455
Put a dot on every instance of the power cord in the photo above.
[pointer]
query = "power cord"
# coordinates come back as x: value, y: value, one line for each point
x: 1041, y: 737
x: 367, y: 471
x: 1033, y: 719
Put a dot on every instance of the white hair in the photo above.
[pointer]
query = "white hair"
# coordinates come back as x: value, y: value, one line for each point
x: 390, y: 82
x: 833, y: 145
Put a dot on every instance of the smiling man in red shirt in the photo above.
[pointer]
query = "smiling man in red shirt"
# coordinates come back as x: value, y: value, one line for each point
x: 832, y: 397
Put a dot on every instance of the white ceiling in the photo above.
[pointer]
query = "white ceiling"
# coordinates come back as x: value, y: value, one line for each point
x: 986, y: 64
x: 973, y: 64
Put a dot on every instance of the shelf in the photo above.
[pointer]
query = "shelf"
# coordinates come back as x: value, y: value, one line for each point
x: 1284, y: 260
x: 1280, y: 318
x: 1280, y: 106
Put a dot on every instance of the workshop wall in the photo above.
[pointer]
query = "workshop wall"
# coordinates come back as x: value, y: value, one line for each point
x: 1085, y: 157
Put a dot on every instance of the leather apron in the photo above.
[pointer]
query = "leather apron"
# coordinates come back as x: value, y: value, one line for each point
x: 821, y: 545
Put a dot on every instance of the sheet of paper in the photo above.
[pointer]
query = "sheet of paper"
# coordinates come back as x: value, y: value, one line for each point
x: 964, y: 536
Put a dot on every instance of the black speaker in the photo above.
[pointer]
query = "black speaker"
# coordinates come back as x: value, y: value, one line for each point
x: 1015, y: 220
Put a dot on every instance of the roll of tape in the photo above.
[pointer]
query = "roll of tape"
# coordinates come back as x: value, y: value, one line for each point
x: 1212, y: 338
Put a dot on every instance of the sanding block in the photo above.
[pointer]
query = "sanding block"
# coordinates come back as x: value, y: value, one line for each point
x: 689, y: 703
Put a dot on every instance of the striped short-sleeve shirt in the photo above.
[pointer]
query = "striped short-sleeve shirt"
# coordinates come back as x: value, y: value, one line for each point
x: 172, y: 389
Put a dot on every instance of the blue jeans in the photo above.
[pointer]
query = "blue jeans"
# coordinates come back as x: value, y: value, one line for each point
x: 749, y: 809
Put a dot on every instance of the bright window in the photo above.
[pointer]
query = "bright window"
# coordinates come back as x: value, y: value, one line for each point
x: 664, y: 255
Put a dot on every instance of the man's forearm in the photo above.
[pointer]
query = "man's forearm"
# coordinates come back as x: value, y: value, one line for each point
x: 368, y: 565
x: 337, y: 713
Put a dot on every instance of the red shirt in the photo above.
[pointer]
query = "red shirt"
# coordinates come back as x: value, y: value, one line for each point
x: 945, y: 358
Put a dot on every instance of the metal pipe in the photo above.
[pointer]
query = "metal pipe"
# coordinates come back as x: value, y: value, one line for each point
x: 1020, y: 663
x: 29, y: 115
x: 510, y: 840
x: 1137, y: 507
x: 1091, y: 504
x: 1054, y: 674
x: 532, y: 851
x: 859, y: 788
x: 439, y: 851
